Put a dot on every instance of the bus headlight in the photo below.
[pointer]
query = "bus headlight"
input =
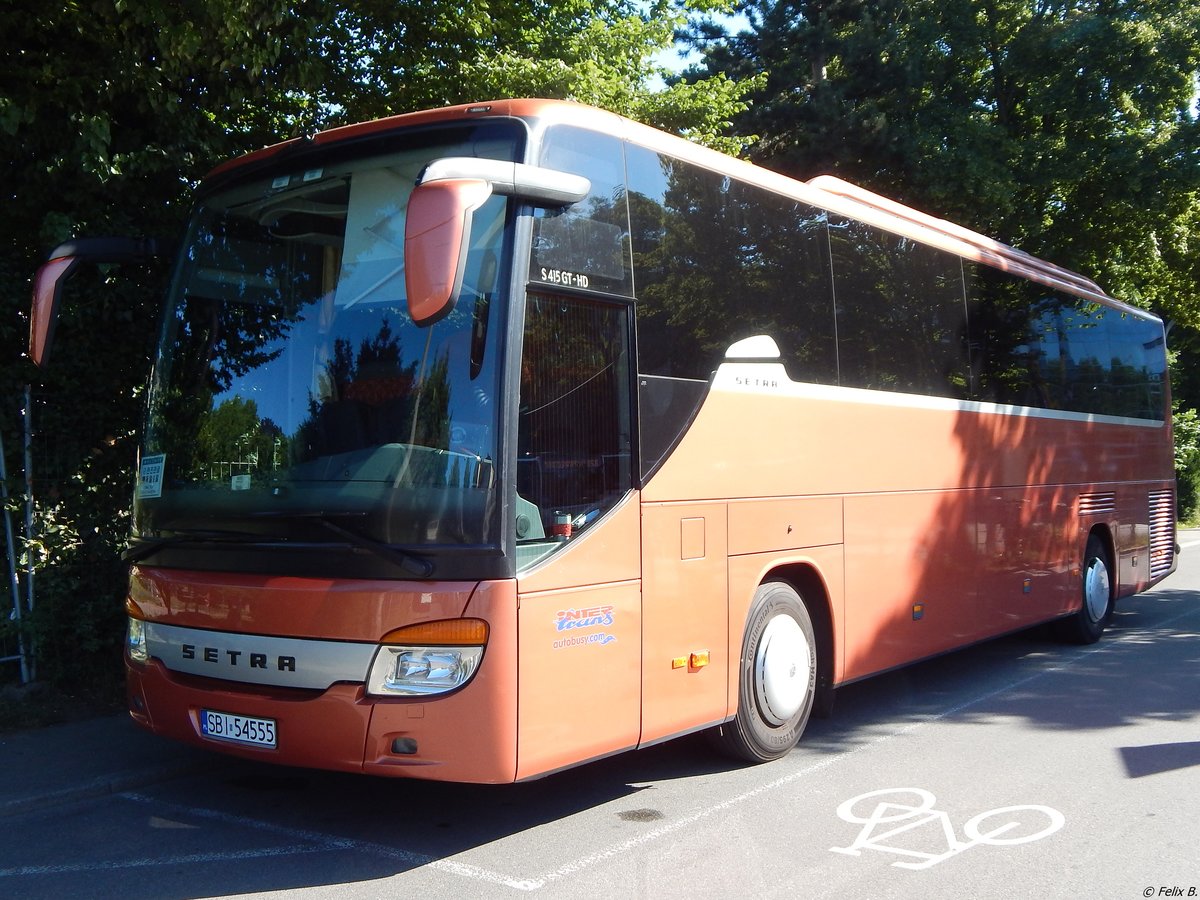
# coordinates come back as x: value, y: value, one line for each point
x: 430, y: 658
x: 136, y: 641
x: 405, y: 671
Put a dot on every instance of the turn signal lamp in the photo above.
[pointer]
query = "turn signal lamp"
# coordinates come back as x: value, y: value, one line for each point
x: 428, y: 658
x: 444, y: 632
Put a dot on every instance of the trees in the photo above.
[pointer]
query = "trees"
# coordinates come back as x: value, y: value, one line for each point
x: 378, y: 59
x: 111, y: 111
x: 1067, y: 127
x: 108, y: 112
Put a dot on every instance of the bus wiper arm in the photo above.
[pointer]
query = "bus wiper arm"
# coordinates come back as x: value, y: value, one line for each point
x: 149, y: 546
x: 406, y: 559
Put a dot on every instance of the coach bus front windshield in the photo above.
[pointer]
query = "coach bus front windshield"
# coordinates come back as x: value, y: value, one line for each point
x: 293, y: 399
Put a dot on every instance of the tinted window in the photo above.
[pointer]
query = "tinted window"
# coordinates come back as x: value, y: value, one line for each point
x: 718, y: 260
x: 901, y: 315
x: 784, y: 264
x: 715, y: 261
x: 686, y: 279
x: 574, y: 433
x: 1011, y: 335
x: 1043, y: 348
x: 1139, y: 375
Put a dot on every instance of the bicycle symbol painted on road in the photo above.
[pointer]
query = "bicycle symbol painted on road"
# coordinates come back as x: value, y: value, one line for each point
x: 893, y: 821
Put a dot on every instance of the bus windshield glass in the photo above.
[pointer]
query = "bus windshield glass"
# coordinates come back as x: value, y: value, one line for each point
x: 293, y: 398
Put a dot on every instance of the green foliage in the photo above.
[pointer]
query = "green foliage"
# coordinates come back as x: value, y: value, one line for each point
x: 1065, y: 127
x: 1187, y: 463
x: 235, y: 441
x: 1186, y: 424
x: 378, y: 59
x: 110, y: 113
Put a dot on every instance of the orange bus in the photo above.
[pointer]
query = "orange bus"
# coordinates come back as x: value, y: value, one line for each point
x: 486, y: 441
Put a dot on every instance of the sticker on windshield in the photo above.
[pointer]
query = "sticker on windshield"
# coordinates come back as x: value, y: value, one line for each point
x: 150, y: 476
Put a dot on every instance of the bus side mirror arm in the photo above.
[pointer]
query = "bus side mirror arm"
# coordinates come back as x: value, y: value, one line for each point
x: 64, y: 262
x: 437, y: 227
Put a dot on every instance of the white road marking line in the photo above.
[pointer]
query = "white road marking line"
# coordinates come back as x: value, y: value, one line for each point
x: 191, y: 858
x: 327, y: 842
x: 311, y: 842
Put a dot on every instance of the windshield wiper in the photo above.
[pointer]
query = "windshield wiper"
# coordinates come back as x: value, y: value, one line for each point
x: 405, y: 559
x: 149, y: 546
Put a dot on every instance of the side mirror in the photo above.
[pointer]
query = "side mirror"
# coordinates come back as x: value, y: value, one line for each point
x: 47, y: 291
x: 437, y: 231
x: 437, y: 228
x: 63, y: 263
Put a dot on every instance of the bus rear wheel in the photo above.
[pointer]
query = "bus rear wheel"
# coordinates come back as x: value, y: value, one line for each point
x: 1096, y: 608
x: 777, y: 677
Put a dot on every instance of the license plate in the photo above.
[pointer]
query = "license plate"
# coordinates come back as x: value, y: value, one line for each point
x: 224, y: 726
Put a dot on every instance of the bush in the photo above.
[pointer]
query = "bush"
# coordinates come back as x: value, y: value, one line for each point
x: 1187, y: 464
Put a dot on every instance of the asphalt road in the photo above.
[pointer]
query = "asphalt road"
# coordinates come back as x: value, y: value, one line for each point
x: 1019, y: 768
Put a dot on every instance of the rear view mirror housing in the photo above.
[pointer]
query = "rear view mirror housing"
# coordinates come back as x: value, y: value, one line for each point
x: 437, y: 232
x: 437, y: 228
x: 64, y: 261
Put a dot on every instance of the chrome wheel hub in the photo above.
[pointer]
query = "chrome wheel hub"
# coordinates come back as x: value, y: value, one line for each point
x: 782, y: 668
x: 1096, y: 589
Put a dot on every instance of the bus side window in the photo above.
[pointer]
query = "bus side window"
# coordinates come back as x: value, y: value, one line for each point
x: 574, y: 431
x: 584, y: 245
x: 715, y: 261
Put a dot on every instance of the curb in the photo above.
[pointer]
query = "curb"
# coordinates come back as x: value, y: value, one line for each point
x: 104, y: 785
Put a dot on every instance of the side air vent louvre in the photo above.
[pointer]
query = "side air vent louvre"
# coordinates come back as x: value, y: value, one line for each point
x: 1162, y: 532
x: 1099, y: 504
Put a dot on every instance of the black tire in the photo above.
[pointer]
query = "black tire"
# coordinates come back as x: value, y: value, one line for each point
x: 777, y: 677
x: 1096, y: 597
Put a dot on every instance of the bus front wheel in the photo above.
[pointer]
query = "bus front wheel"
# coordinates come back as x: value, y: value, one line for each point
x: 1087, y: 624
x: 776, y: 679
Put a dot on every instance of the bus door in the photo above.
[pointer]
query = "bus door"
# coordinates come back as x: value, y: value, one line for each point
x: 578, y: 528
